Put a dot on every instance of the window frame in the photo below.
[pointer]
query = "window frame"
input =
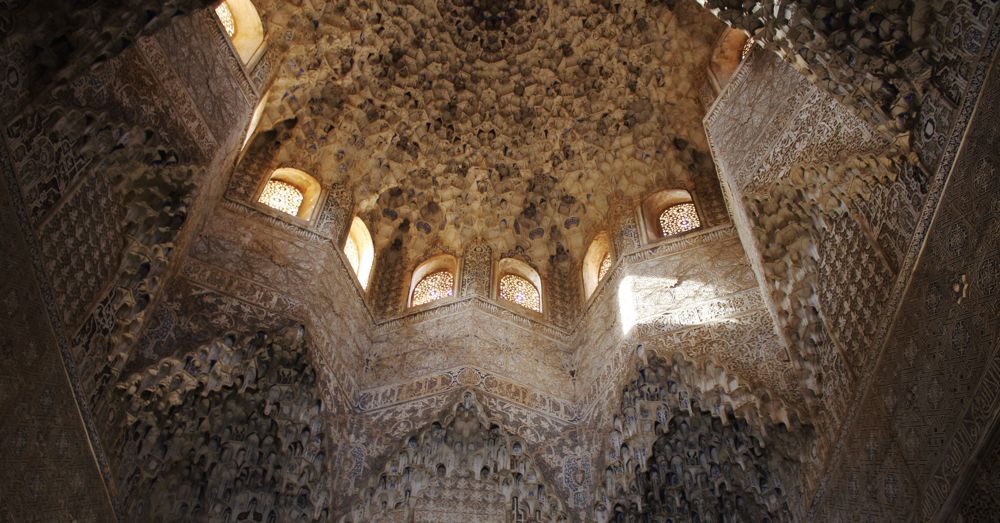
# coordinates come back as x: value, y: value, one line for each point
x: 659, y: 220
x: 249, y: 40
x: 516, y: 267
x: 653, y: 206
x: 308, y: 185
x: 599, y: 248
x: 362, y: 238
x: 432, y: 265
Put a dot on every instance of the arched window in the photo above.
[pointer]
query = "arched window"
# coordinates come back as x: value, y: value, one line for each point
x: 291, y: 191
x: 360, y: 251
x: 596, y: 263
x: 519, y: 283
x: 433, y: 280
x: 679, y: 218
x: 669, y: 213
x: 242, y: 23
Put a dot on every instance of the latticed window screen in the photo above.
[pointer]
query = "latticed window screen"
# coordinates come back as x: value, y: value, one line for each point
x: 226, y: 17
x: 353, y: 254
x: 520, y: 291
x: 679, y: 218
x: 605, y: 267
x: 282, y: 196
x: 433, y: 287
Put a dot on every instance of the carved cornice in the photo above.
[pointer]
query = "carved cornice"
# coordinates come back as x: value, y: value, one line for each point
x: 502, y: 312
x: 467, y: 377
x: 274, y: 221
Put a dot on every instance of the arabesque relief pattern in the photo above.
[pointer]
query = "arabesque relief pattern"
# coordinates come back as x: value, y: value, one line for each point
x: 109, y: 150
x: 803, y: 214
x: 902, y: 66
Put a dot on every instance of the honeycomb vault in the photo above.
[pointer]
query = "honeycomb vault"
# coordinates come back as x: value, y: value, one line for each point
x: 499, y: 261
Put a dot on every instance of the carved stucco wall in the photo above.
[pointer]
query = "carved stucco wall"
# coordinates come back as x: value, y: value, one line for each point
x: 524, y: 364
x: 883, y: 387
x: 696, y: 296
x: 826, y: 213
x: 980, y: 500
x: 934, y: 395
x: 675, y: 451
x: 903, y: 67
x: 44, y: 440
x: 108, y: 164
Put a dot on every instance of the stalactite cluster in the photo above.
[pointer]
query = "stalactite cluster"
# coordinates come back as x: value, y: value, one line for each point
x: 676, y: 453
x: 231, y: 432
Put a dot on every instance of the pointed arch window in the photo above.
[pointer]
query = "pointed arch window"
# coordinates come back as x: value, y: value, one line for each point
x: 596, y: 263
x: 291, y: 191
x: 360, y: 251
x: 669, y: 213
x: 242, y: 24
x: 433, y: 280
x: 519, y: 284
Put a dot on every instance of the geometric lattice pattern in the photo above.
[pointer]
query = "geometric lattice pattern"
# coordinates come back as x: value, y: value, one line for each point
x: 518, y: 290
x: 679, y: 218
x: 226, y: 17
x: 78, y: 263
x: 433, y: 287
x: 605, y: 267
x: 282, y: 196
x: 853, y: 282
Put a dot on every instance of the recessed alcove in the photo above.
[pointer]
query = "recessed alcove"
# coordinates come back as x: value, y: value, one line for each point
x: 667, y: 213
x: 359, y: 251
x: 291, y: 192
x: 596, y: 263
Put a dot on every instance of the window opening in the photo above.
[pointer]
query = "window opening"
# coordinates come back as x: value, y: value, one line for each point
x: 677, y: 219
x: 353, y: 254
x: 519, y: 290
x: 282, y: 196
x: 433, y: 287
x: 226, y: 17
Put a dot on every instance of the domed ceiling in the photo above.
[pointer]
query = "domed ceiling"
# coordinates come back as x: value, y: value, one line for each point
x: 510, y: 122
